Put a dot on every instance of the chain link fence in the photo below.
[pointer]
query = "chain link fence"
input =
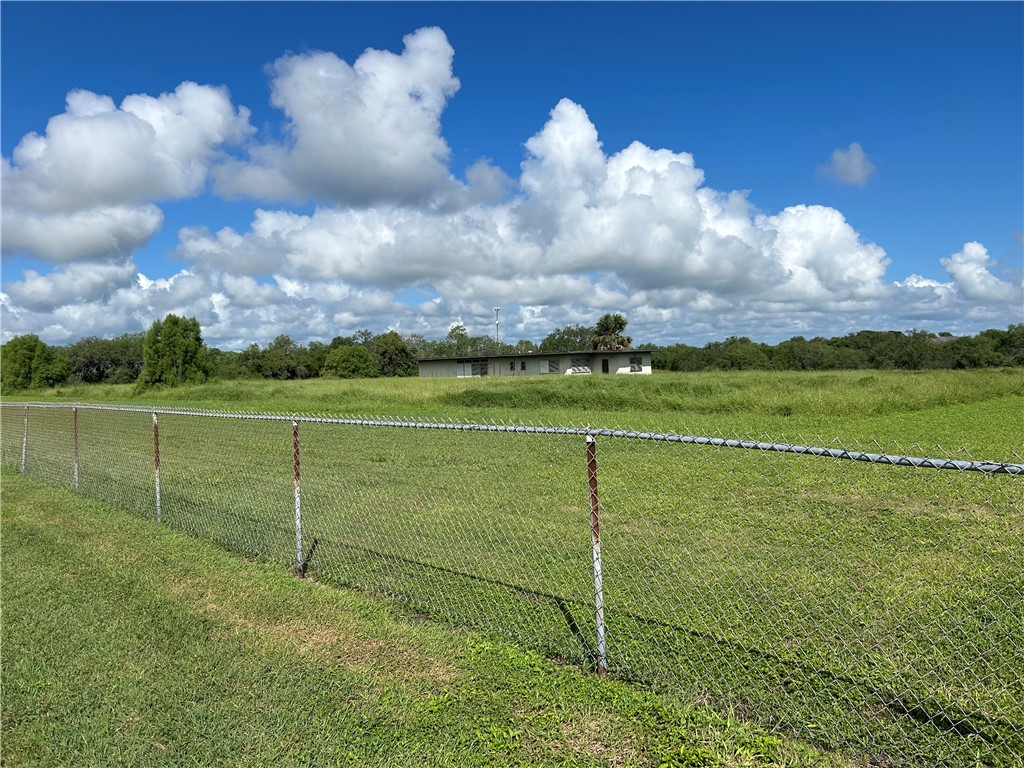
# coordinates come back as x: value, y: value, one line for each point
x: 852, y: 596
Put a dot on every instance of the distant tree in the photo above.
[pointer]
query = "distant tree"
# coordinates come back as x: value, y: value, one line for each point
x: 799, y: 354
x: 27, y: 361
x: 459, y: 337
x: 284, y: 359
x: 49, y: 367
x: 679, y: 357
x: 608, y: 333
x: 738, y: 353
x: 126, y: 354
x: 524, y: 347
x: 351, y: 362
x: 316, y: 356
x: 1009, y: 344
x: 173, y: 353
x: 251, y: 360
x: 118, y: 361
x: 225, y: 364
x: 571, y: 338
x: 393, y: 356
x: 417, y: 344
x: 342, y: 341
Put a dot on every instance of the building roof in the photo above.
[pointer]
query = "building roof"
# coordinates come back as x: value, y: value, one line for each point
x: 521, y: 355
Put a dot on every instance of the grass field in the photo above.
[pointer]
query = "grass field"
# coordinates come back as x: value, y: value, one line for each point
x: 981, y: 410
x: 861, y: 607
x: 126, y: 643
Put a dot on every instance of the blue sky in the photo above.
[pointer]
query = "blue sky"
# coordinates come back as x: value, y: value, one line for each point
x: 709, y: 170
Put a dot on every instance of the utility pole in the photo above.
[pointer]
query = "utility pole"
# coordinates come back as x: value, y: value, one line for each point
x: 497, y: 326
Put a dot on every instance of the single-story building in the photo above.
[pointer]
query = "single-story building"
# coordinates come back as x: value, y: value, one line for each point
x: 537, y: 364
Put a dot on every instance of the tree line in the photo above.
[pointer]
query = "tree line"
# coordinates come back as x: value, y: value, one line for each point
x: 172, y: 352
x: 886, y: 350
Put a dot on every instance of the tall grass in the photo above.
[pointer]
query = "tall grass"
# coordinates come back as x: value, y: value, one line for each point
x: 981, y: 410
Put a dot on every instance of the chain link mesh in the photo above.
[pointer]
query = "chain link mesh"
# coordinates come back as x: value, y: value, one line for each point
x: 872, y: 606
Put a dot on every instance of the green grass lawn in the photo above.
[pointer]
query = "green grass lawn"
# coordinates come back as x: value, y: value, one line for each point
x: 129, y: 643
x: 870, y: 608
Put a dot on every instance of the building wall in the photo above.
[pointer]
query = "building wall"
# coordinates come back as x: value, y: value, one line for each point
x: 566, y: 364
x: 436, y: 369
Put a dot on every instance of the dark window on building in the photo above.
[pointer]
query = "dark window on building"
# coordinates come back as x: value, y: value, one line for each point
x: 522, y: 366
x: 636, y: 364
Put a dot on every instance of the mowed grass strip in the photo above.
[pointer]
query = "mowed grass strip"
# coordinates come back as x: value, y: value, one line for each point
x: 129, y: 643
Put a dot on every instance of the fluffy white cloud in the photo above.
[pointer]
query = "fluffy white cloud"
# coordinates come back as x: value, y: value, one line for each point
x: 78, y: 283
x: 969, y: 269
x: 396, y: 242
x: 849, y: 166
x: 84, y: 190
x: 151, y: 148
x: 824, y: 257
x: 90, y: 234
x: 357, y: 134
x: 640, y: 216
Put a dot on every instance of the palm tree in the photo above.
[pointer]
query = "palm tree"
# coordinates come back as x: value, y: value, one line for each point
x: 608, y: 333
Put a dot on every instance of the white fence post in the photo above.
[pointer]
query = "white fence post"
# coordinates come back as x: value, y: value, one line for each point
x: 156, y: 464
x: 595, y: 543
x: 300, y: 566
x: 24, y: 442
x: 74, y: 418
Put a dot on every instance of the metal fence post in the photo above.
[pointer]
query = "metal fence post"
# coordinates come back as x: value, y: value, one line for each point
x: 300, y: 566
x: 74, y: 418
x: 24, y: 442
x: 595, y: 543
x: 156, y: 464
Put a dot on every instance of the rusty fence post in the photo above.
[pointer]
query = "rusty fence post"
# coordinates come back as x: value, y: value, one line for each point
x: 24, y: 442
x: 300, y: 566
x: 595, y: 544
x: 74, y: 419
x: 156, y: 464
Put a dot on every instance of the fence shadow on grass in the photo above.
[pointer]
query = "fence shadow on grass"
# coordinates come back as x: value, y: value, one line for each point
x: 716, y: 654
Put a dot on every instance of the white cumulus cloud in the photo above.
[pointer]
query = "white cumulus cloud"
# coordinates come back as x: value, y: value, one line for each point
x: 969, y: 269
x: 74, y: 284
x: 358, y: 133
x: 587, y: 228
x: 395, y: 241
x: 85, y: 189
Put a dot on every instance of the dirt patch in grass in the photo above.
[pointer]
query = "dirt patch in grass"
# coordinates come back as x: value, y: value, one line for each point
x: 596, y: 738
x: 330, y: 645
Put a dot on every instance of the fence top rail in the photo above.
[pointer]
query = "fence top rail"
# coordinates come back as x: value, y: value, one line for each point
x: 961, y: 465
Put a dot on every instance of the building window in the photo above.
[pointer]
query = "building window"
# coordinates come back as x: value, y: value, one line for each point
x: 580, y: 365
x: 522, y: 366
x: 553, y: 367
x: 512, y: 365
x: 470, y: 367
x: 636, y: 364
